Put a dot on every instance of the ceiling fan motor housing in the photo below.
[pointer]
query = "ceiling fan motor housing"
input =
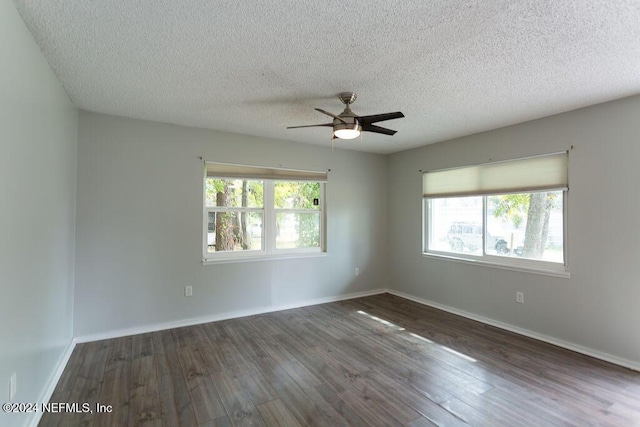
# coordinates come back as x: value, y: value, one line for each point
x: 347, y: 123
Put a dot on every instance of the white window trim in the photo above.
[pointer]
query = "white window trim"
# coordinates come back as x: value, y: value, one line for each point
x: 269, y: 250
x: 565, y: 274
x: 272, y: 257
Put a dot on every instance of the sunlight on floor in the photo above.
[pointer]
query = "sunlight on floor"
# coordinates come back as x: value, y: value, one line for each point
x: 399, y: 328
x: 384, y: 322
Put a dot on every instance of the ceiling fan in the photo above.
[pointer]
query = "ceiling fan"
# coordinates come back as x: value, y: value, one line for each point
x: 348, y: 125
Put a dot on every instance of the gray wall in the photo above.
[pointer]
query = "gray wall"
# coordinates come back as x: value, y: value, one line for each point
x: 139, y: 226
x: 599, y: 306
x: 38, y: 140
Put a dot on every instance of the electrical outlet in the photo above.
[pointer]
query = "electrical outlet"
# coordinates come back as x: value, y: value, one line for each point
x: 520, y: 297
x: 13, y: 386
x: 356, y: 272
x: 188, y: 291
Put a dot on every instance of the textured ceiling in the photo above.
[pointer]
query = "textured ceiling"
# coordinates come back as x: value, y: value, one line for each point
x: 452, y: 67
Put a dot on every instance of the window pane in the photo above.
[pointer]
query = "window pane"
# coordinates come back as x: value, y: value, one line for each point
x: 234, y: 231
x: 455, y: 225
x: 297, y: 230
x: 234, y: 193
x: 526, y: 225
x: 297, y: 195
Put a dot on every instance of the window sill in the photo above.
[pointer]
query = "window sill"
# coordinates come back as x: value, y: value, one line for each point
x: 542, y: 271
x: 271, y: 257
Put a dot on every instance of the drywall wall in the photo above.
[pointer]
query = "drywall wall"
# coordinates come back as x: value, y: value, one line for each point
x: 139, y: 226
x: 38, y: 141
x: 599, y: 306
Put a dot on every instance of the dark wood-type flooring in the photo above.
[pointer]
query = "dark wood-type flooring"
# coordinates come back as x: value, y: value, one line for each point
x: 374, y: 361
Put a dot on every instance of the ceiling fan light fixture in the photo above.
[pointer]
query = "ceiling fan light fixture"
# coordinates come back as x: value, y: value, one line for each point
x: 347, y: 130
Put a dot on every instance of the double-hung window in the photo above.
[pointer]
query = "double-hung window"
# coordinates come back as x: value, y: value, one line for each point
x: 260, y: 212
x: 510, y: 213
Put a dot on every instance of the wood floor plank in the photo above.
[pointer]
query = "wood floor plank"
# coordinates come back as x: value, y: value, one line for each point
x: 623, y: 414
x: 116, y: 384
x: 218, y: 422
x: 388, y: 399
x: 378, y: 360
x: 142, y: 345
x: 541, y: 402
x: 145, y: 401
x: 257, y: 387
x: 330, y: 371
x: 88, y: 383
x: 243, y: 334
x: 203, y: 394
x: 414, y: 398
x: 327, y: 395
x: 422, y: 422
x: 226, y: 354
x: 240, y: 409
x: 275, y: 413
x: 175, y: 401
x: 368, y: 409
x: 296, y: 400
x: 478, y: 415
x: 184, y: 337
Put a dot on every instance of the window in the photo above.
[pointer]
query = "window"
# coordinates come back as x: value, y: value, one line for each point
x: 298, y: 214
x: 254, y: 212
x: 509, y: 213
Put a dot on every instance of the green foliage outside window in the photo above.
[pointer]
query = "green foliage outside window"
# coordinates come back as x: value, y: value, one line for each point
x: 536, y: 209
x: 231, y: 229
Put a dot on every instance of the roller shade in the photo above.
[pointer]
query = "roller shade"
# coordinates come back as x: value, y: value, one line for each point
x: 227, y: 170
x: 547, y: 172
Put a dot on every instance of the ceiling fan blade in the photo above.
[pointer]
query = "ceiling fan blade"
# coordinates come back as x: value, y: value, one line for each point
x: 332, y: 115
x: 377, y: 129
x: 310, y: 126
x: 380, y: 117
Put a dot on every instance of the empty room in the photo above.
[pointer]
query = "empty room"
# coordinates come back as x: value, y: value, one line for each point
x: 319, y: 213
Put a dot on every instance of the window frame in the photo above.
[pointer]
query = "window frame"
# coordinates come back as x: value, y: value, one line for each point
x: 268, y: 249
x: 502, y: 262
x: 497, y: 261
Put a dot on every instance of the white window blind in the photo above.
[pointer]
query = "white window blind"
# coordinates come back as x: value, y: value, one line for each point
x: 547, y: 172
x: 228, y: 170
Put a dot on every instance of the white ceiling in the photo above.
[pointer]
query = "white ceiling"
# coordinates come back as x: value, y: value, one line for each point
x: 453, y: 67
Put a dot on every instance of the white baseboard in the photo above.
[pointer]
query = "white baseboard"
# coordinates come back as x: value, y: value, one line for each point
x: 521, y: 331
x: 52, y: 383
x: 221, y: 316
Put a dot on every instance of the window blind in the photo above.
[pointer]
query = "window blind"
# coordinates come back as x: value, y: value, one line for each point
x: 228, y: 170
x: 546, y: 172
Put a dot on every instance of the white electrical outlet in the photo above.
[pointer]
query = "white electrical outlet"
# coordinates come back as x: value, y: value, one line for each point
x: 356, y: 272
x: 520, y: 297
x: 13, y: 386
x: 188, y: 291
